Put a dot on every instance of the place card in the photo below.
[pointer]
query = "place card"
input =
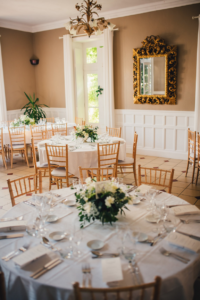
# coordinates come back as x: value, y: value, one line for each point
x: 111, y: 269
x: 13, y: 226
x: 30, y: 255
x: 185, y: 210
x: 184, y: 241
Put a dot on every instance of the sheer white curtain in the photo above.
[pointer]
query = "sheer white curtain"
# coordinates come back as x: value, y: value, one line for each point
x: 197, y: 91
x: 3, y: 108
x: 69, y: 78
x: 108, y: 79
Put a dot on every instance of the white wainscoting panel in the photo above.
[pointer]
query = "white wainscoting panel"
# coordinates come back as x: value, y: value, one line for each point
x: 160, y: 133
x: 50, y: 112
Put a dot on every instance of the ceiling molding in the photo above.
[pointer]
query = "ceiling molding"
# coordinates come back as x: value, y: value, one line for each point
x: 124, y: 12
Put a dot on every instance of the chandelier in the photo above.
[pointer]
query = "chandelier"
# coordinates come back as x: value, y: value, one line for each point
x: 86, y: 21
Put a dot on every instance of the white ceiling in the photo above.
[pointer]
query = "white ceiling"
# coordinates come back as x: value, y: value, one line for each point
x: 32, y: 13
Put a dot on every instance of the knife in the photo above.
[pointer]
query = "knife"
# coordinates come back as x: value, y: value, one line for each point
x: 190, y: 235
x: 44, y: 267
x: 11, y: 236
x: 162, y: 236
x: 48, y: 269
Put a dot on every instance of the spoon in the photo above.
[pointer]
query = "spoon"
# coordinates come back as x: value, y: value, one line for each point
x: 12, y: 219
x: 47, y: 242
x: 97, y: 253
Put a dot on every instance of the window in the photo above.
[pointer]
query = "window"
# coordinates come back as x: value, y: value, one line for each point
x: 93, y: 103
x: 91, y: 55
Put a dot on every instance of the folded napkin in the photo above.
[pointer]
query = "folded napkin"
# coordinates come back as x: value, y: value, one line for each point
x: 116, y: 140
x: 61, y: 212
x: 184, y: 241
x: 185, y: 210
x: 111, y: 269
x: 143, y: 189
x: 13, y: 226
x: 190, y: 229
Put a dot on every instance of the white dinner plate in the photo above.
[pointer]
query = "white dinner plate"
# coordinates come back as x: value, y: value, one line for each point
x: 69, y: 203
x: 51, y: 219
x: 151, y: 219
x: 57, y: 235
x: 95, y: 244
x: 142, y: 237
x: 136, y: 201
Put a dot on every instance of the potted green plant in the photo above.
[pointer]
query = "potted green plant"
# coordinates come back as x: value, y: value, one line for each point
x: 33, y: 109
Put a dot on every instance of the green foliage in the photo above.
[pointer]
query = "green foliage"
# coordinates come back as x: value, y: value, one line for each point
x: 99, y: 91
x: 87, y: 131
x: 91, y: 54
x: 33, y: 109
x: 93, y: 104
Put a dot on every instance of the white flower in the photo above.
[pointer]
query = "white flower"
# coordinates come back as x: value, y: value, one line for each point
x: 86, y: 134
x: 23, y: 117
x: 87, y: 207
x: 93, y: 23
x: 88, y: 180
x: 130, y: 201
x: 109, y: 200
x: 86, y: 199
x: 111, y: 187
x: 68, y: 25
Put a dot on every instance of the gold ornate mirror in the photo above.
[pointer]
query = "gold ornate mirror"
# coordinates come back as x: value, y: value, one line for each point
x: 154, y: 72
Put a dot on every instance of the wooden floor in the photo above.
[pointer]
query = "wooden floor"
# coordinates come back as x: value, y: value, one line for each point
x: 182, y: 186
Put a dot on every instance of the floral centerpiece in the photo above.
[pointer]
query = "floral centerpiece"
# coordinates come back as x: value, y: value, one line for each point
x: 101, y: 201
x: 86, y: 131
x: 23, y: 120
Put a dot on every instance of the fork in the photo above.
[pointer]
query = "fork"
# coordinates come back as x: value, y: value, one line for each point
x: 84, y: 271
x: 22, y: 249
x: 174, y: 255
x: 189, y: 221
x: 89, y: 275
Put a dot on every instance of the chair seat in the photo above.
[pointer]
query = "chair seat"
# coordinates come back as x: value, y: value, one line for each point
x: 42, y: 165
x: 60, y: 172
x: 128, y: 160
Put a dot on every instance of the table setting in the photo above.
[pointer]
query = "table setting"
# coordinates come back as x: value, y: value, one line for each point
x: 99, y: 235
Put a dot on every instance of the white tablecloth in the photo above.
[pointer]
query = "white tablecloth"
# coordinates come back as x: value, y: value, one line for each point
x: 85, y: 156
x: 177, y: 278
x: 6, y: 138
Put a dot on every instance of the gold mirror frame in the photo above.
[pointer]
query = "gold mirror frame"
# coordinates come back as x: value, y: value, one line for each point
x: 154, y: 46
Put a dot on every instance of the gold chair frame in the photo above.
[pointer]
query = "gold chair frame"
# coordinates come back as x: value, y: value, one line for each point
x: 115, y: 132
x: 2, y: 149
x: 97, y: 173
x: 192, y: 159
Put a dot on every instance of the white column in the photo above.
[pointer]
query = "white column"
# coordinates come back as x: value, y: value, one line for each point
x: 69, y: 78
x: 197, y: 91
x: 3, y: 108
x: 108, y: 79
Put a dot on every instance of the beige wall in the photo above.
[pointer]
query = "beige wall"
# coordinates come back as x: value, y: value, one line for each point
x: 177, y: 28
x: 47, y: 79
x: 19, y: 77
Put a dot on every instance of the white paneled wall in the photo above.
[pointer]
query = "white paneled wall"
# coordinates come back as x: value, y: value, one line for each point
x: 160, y: 133
x: 50, y: 112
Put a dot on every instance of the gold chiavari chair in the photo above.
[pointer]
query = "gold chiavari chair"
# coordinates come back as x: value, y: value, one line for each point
x: 24, y: 185
x: 198, y: 156
x: 108, y: 155
x: 38, y: 133
x: 2, y: 148
x: 2, y: 287
x: 192, y: 157
x: 130, y: 162
x: 157, y: 177
x: 99, y: 174
x: 59, y: 128
x: 50, y: 120
x: 17, y: 143
x: 58, y: 165
x: 128, y: 292
x: 79, y: 121
x: 115, y: 132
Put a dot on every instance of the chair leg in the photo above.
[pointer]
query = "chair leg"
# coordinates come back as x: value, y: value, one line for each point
x: 134, y: 172
x: 50, y: 182
x: 187, y: 168
x: 26, y: 156
x: 4, y: 160
x: 193, y: 171
x: 57, y: 183
x: 11, y: 159
x: 197, y: 175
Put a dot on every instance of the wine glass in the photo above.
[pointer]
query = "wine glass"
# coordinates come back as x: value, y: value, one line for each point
x: 128, y: 250
x: 150, y: 195
x: 170, y: 221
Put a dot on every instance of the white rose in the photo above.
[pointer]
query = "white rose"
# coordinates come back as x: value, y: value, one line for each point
x: 86, y: 199
x: 87, y: 207
x: 109, y: 200
x: 23, y: 117
x: 88, y: 180
x: 86, y: 134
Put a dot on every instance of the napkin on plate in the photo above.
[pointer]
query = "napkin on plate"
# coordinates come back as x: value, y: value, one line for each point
x: 143, y: 189
x: 111, y: 269
x: 185, y: 210
x: 184, y: 241
x: 13, y: 226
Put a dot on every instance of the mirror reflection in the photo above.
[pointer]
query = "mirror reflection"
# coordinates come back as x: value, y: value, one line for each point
x: 152, y: 76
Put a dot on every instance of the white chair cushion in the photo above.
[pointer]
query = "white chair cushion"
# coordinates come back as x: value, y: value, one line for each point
x: 128, y: 160
x: 60, y: 172
x: 17, y: 146
x: 43, y: 165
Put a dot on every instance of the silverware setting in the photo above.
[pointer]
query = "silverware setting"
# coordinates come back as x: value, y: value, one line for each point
x: 87, y: 276
x: 47, y: 267
x: 132, y: 189
x: 174, y: 255
x: 15, y: 253
x: 188, y: 221
x: 11, y: 236
x: 47, y: 243
x: 157, y: 238
x: 101, y: 255
x: 12, y: 219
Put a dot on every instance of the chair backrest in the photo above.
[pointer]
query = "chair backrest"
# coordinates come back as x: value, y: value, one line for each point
x: 157, y: 177
x: 79, y: 121
x: 34, y: 154
x: 24, y: 185
x: 99, y: 174
x: 108, y: 154
x: 2, y: 287
x: 135, y: 146
x: 59, y: 128
x: 38, y: 133
x: 50, y: 120
x: 115, y: 293
x: 17, y: 135
x: 1, y: 138
x: 115, y: 132
x: 191, y: 144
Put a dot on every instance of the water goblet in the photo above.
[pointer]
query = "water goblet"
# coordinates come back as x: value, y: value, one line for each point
x: 170, y: 221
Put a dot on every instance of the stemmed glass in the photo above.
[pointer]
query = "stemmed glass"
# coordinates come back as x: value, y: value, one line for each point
x: 129, y: 248
x: 77, y: 238
x: 150, y: 195
x: 170, y: 221
x: 43, y: 209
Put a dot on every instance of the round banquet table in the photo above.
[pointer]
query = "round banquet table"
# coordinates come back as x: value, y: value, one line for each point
x: 6, y: 137
x: 85, y: 156
x: 177, y: 278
